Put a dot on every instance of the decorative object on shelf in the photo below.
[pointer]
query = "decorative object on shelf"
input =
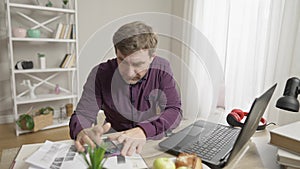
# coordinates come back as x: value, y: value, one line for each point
x: 96, y: 156
x: 62, y: 114
x: 33, y: 33
x: 43, y: 118
x: 42, y: 60
x: 25, y: 121
x: 69, y: 109
x: 45, y: 110
x: 40, y: 119
x: 57, y: 89
x: 65, y: 3
x: 30, y: 87
x: 19, y: 32
x: 20, y: 65
x: 49, y: 4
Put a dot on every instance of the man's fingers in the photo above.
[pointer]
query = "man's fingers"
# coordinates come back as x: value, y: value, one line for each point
x: 125, y: 148
x: 79, y: 146
x: 106, y: 127
x: 115, y: 136
x: 86, y: 139
x: 139, y: 148
x: 132, y: 148
x: 94, y: 135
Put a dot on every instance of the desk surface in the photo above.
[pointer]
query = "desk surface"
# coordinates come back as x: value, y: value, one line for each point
x: 256, y: 154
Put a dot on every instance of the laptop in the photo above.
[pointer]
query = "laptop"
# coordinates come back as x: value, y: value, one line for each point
x: 217, y: 144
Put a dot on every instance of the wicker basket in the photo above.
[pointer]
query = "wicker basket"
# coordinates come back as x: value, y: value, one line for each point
x: 42, y: 121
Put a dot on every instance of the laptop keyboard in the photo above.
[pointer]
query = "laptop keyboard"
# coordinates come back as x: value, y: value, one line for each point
x: 208, y: 147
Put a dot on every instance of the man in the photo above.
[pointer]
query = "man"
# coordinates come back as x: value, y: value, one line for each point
x: 136, y: 90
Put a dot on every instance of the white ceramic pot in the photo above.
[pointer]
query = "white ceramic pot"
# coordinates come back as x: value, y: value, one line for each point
x: 19, y: 32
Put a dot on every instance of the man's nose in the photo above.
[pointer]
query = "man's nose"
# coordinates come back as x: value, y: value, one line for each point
x: 131, y: 72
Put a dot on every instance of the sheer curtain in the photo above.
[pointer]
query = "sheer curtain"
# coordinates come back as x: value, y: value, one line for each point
x: 256, y: 42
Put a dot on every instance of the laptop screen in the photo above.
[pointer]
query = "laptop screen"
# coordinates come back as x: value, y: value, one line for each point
x: 256, y: 112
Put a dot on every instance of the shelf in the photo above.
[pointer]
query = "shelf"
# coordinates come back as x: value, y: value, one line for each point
x: 56, y: 123
x: 44, y: 8
x: 42, y: 40
x: 24, y: 82
x: 44, y: 98
x: 45, y: 70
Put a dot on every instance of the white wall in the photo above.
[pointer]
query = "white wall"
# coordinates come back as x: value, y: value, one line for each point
x: 92, y: 15
x: 99, y: 15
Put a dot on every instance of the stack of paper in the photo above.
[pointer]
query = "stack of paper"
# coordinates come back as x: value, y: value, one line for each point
x: 55, y: 156
x: 60, y: 155
x: 287, y: 139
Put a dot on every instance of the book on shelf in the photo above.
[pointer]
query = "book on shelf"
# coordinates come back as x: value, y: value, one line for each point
x: 68, y: 61
x: 69, y: 32
x: 65, y: 60
x: 58, y: 30
x: 66, y: 33
x: 62, y: 33
x: 62, y: 62
x: 288, y: 159
x: 73, y: 36
x: 71, y: 61
x: 287, y: 137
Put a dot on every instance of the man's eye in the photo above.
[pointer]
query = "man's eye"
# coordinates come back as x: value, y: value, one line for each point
x: 138, y: 65
x: 124, y: 62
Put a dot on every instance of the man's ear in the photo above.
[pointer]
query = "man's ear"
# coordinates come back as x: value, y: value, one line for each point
x: 116, y: 50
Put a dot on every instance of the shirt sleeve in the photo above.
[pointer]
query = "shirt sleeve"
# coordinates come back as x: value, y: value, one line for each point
x: 170, y: 104
x: 87, y: 108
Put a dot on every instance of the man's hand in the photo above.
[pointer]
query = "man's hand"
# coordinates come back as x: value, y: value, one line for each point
x: 133, y: 140
x: 91, y: 136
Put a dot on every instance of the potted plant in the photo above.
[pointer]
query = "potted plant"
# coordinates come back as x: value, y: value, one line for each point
x: 35, y: 121
x: 96, y: 156
x: 25, y: 122
x: 65, y: 3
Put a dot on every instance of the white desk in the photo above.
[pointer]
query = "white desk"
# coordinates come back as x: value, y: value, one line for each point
x: 257, y: 153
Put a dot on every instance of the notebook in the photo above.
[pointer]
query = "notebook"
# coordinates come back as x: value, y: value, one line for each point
x: 198, y: 137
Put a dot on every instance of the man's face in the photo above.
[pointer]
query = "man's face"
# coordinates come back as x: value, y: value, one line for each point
x: 135, y: 66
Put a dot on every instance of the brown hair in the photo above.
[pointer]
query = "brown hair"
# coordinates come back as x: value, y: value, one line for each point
x: 133, y: 37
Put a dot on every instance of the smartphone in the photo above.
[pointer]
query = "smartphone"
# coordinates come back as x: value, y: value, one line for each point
x: 112, y: 149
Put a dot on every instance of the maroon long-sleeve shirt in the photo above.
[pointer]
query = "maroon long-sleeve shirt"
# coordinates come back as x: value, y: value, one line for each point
x: 152, y: 104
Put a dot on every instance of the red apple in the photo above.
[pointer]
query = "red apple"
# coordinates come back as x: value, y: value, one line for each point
x: 163, y: 163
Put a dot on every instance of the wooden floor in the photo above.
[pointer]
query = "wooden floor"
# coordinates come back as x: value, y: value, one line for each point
x: 8, y: 138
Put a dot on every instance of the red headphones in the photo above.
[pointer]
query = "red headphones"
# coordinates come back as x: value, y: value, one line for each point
x: 235, y: 117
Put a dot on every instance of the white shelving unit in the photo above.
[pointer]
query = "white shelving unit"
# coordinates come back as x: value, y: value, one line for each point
x: 29, y: 15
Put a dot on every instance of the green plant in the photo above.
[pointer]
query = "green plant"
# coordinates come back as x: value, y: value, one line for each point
x: 41, y: 55
x: 49, y: 4
x: 46, y: 110
x: 25, y: 122
x: 65, y: 2
x: 96, y: 156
